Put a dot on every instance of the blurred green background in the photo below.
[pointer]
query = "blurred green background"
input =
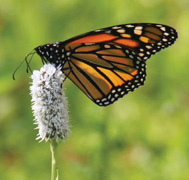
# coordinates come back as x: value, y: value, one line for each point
x: 143, y: 136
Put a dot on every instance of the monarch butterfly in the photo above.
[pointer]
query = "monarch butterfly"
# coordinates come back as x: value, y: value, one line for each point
x: 108, y: 63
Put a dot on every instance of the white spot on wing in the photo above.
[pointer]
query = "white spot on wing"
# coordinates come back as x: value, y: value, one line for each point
x: 68, y: 53
x: 121, y: 30
x: 98, y: 30
x: 129, y: 25
x: 138, y: 27
x: 107, y: 46
x: 116, y: 27
x: 163, y: 28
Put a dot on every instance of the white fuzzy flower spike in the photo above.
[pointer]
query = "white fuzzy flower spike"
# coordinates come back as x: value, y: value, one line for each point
x: 49, y: 104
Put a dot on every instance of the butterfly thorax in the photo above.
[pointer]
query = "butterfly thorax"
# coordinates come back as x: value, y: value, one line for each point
x: 51, y: 53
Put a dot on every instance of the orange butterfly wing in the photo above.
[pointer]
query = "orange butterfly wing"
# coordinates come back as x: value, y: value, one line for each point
x: 105, y: 73
x: 108, y: 63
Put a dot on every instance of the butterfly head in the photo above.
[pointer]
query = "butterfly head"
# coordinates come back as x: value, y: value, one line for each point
x: 50, y: 53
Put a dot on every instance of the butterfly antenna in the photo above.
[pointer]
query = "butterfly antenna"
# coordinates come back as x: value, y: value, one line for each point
x: 27, y: 63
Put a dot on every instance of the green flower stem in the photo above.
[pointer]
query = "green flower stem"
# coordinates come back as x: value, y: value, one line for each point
x: 54, y: 169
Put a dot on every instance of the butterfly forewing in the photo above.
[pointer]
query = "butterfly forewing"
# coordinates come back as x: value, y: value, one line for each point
x: 143, y: 38
x: 108, y: 63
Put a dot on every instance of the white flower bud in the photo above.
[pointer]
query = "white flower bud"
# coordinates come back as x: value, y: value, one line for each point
x: 49, y: 104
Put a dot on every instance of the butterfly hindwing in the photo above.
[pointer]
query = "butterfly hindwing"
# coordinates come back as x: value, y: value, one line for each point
x: 105, y: 72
